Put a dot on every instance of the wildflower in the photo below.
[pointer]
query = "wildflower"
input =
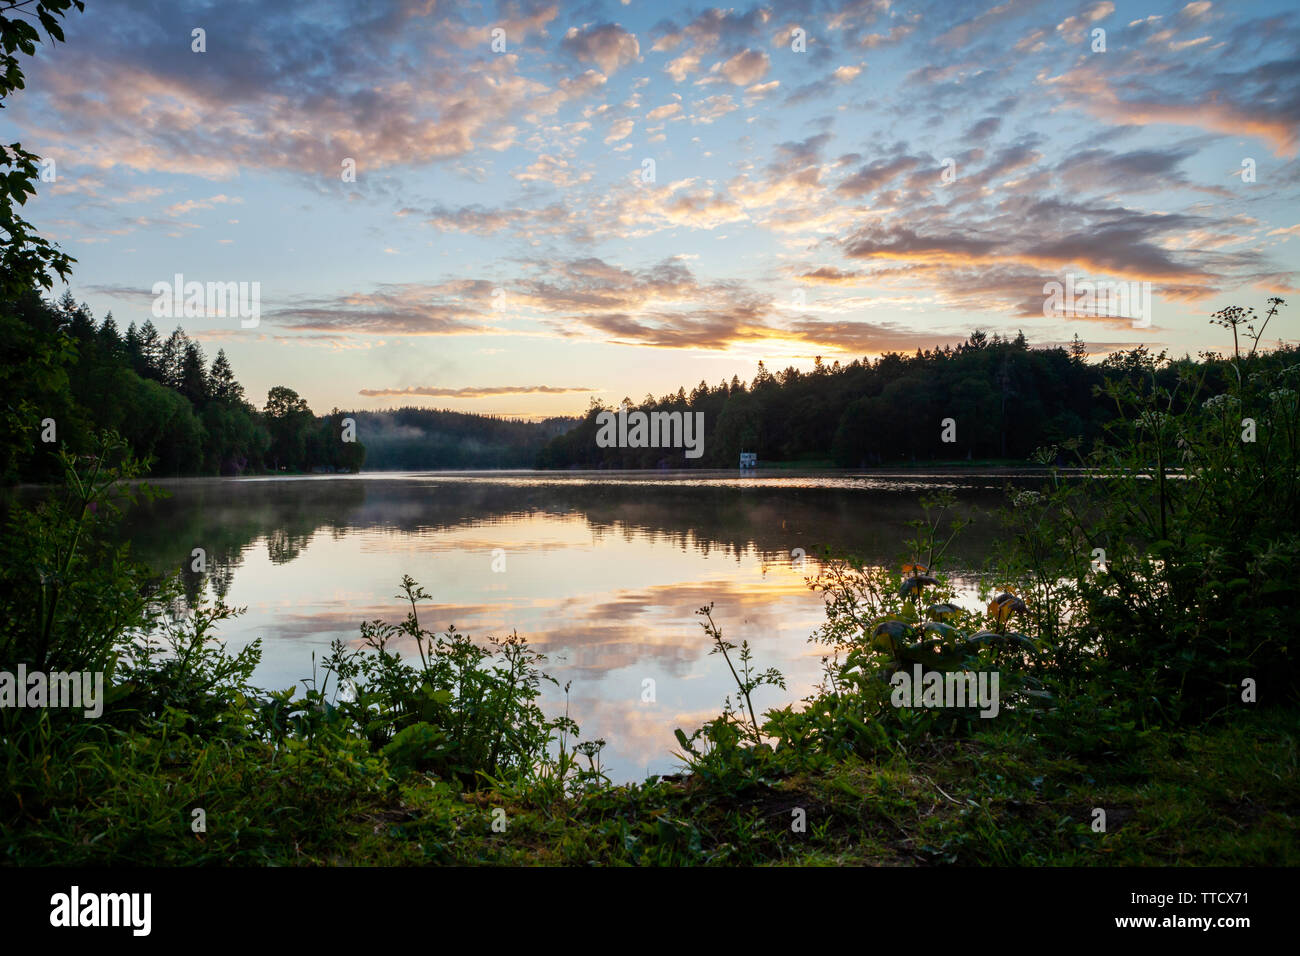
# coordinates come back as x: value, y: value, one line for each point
x: 1152, y: 419
x: 1220, y: 403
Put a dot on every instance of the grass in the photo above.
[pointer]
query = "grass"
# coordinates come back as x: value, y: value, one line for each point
x: 1222, y: 796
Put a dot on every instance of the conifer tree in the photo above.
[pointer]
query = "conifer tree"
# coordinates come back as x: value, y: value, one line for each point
x: 221, y: 381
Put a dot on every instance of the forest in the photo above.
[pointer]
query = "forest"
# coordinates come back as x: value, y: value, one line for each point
x: 77, y: 377
x: 986, y: 399
x: 1004, y: 400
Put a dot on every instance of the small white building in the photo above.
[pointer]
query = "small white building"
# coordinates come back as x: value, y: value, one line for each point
x: 748, y: 459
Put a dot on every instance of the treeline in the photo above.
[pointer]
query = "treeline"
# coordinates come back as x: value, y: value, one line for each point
x: 67, y: 377
x: 1004, y: 400
x: 419, y: 439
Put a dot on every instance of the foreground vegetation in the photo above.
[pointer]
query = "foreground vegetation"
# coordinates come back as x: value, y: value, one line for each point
x: 1218, y: 796
x: 1139, y: 625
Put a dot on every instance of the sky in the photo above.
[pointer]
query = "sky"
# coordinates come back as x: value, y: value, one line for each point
x: 554, y: 203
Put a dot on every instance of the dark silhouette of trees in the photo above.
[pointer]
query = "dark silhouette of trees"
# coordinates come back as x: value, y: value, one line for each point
x: 288, y: 419
x: 221, y: 380
x: 163, y: 399
x: 1005, y: 400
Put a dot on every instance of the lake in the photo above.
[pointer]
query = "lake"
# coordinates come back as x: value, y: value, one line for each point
x: 600, y: 571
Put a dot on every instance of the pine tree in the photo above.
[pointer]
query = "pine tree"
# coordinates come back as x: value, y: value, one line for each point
x: 193, y: 374
x: 170, y: 358
x: 131, y: 348
x: 150, y: 352
x: 221, y: 381
x: 80, y: 321
x: 67, y: 305
x: 110, y: 340
x: 1078, y: 351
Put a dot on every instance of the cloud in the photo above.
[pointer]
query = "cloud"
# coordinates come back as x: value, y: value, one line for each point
x: 665, y: 111
x: 189, y: 205
x: 683, y: 66
x: 745, y: 68
x: 1134, y: 171
x: 475, y: 219
x: 620, y: 129
x: 471, y: 391
x: 896, y: 34
x: 553, y: 170
x: 515, y: 28
x: 392, y: 309
x: 710, y: 108
x: 343, y: 88
x: 1228, y: 106
x: 1074, y: 29
x: 876, y: 174
x: 863, y: 337
x: 963, y: 33
x: 830, y: 275
x: 607, y: 45
x: 984, y: 129
x: 712, y: 29
x: 664, y: 306
x: 1195, y: 12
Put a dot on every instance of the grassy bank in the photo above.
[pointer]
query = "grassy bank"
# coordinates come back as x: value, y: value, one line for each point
x: 1222, y: 795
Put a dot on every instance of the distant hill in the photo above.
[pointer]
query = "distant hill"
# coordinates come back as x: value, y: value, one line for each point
x: 417, y: 439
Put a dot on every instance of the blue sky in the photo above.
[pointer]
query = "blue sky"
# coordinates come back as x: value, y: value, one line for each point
x: 503, y: 250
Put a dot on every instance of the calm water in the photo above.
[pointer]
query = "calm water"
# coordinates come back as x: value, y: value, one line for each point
x: 602, y: 572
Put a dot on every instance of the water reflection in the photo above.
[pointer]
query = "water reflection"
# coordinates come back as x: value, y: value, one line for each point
x: 601, y: 573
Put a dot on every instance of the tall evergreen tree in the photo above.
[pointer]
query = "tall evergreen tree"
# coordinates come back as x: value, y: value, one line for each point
x: 67, y: 304
x: 80, y: 322
x: 110, y: 340
x: 1078, y: 350
x: 222, y: 383
x: 150, y: 352
x: 193, y: 374
x: 131, y: 348
x: 171, y: 357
